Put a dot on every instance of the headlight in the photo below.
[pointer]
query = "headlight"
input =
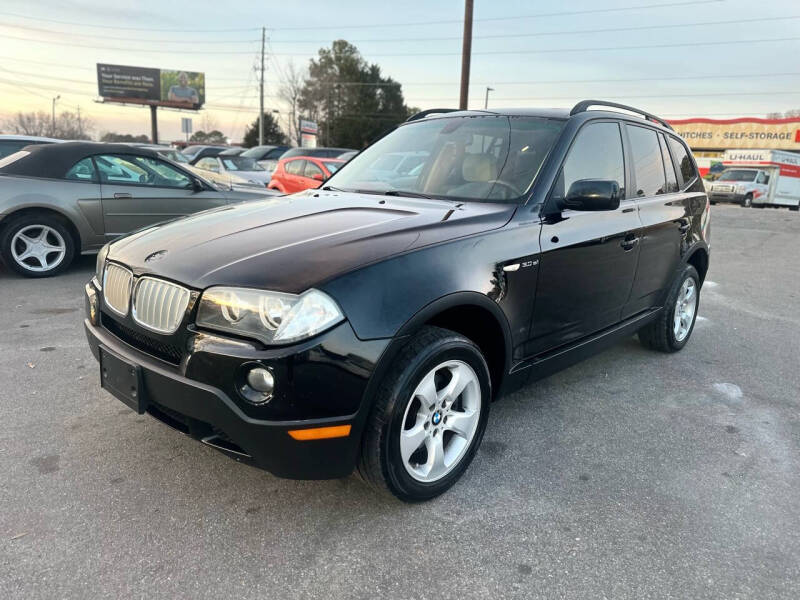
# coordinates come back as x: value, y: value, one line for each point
x: 271, y: 317
x: 101, y: 260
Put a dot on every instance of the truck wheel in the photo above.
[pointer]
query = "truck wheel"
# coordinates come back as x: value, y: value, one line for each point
x: 794, y: 208
x: 748, y: 201
x: 673, y: 327
x: 36, y: 245
x: 428, y: 418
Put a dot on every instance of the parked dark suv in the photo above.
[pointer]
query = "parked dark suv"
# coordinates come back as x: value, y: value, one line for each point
x: 369, y: 324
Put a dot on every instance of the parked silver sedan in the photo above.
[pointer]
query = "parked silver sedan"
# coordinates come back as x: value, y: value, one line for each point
x: 57, y: 200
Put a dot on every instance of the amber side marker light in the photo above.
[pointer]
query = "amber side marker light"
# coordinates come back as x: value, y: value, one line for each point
x: 320, y: 433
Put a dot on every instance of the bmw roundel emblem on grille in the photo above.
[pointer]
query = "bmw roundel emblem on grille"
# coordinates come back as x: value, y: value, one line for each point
x: 155, y: 256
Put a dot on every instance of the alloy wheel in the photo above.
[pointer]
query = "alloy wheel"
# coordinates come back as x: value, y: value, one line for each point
x: 685, y: 307
x: 440, y: 421
x: 38, y: 248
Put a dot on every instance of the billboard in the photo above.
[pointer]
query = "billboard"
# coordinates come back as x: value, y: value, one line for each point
x: 159, y: 87
x: 749, y: 132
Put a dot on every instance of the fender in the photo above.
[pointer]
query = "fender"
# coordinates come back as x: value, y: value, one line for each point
x: 416, y: 322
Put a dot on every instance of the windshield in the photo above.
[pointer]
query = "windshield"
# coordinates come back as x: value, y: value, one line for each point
x: 257, y: 153
x: 491, y: 159
x: 738, y: 175
x: 240, y: 163
x: 173, y: 155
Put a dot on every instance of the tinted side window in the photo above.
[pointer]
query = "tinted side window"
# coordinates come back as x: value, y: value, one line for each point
x: 672, y: 181
x: 83, y: 170
x: 140, y: 170
x: 683, y: 164
x: 312, y: 169
x: 294, y: 167
x: 596, y: 153
x: 648, y: 165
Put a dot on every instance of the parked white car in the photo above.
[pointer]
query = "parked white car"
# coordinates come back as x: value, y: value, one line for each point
x: 13, y: 143
x: 240, y: 166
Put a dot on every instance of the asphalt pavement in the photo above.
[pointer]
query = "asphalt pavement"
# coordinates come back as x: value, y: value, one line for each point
x: 631, y: 475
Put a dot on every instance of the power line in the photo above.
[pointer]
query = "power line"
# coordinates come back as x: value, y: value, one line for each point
x: 79, y: 24
x: 377, y: 25
x: 125, y: 39
x: 588, y: 49
x: 152, y: 51
x: 509, y: 18
x: 551, y: 33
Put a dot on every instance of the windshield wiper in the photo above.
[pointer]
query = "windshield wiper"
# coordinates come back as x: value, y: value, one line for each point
x: 407, y: 194
x: 330, y: 188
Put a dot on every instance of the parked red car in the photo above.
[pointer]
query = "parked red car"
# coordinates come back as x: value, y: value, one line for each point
x: 302, y: 173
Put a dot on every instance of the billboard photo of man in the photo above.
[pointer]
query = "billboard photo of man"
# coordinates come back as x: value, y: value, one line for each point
x: 183, y: 86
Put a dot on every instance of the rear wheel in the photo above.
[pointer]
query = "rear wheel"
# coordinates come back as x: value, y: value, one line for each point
x: 794, y: 208
x: 36, y: 245
x: 671, y: 330
x: 428, y: 418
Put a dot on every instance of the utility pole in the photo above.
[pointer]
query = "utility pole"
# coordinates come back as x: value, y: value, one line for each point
x: 486, y: 102
x: 53, y: 124
x: 466, y: 53
x: 261, y: 92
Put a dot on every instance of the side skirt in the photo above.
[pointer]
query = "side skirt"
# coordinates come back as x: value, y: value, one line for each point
x: 553, y: 361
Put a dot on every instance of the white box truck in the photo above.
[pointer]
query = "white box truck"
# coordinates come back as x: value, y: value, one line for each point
x: 758, y: 178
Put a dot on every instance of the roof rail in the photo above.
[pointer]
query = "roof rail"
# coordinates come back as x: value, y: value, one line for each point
x: 584, y: 105
x: 431, y: 111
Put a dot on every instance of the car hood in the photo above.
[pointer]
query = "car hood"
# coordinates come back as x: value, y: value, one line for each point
x: 292, y: 243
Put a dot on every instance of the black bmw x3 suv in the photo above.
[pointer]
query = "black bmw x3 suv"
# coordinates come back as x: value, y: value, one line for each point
x: 369, y: 324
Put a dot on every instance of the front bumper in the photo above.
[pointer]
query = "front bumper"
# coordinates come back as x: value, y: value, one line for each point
x: 727, y: 197
x: 334, y: 366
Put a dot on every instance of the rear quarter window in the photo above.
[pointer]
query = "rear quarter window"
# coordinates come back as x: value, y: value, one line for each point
x: 683, y: 162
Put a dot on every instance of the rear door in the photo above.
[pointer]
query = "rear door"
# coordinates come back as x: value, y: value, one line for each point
x: 664, y: 214
x: 588, y: 259
x: 138, y: 191
x: 294, y: 175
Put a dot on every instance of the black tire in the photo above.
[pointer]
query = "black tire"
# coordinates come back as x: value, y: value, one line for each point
x: 713, y: 202
x: 748, y: 201
x: 381, y: 464
x: 794, y: 208
x: 659, y: 334
x: 32, y: 220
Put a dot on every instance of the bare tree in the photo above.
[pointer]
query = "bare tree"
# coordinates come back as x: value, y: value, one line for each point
x: 292, y: 83
x: 208, y: 123
x: 69, y: 125
x: 31, y: 123
x: 795, y: 112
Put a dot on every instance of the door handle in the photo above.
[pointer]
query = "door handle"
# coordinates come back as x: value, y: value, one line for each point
x: 119, y: 195
x: 629, y: 243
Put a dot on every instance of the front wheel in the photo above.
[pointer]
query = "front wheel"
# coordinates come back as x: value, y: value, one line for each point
x: 36, y: 245
x: 428, y: 418
x: 671, y: 330
x: 748, y: 201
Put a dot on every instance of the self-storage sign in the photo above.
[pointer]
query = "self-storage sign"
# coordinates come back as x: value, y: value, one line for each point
x: 708, y: 134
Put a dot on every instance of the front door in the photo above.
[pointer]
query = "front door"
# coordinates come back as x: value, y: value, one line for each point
x: 138, y: 191
x: 588, y: 259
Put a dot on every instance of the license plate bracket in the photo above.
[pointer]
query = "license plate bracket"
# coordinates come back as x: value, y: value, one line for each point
x: 123, y: 379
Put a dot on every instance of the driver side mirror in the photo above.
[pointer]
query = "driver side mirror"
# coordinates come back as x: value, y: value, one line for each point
x: 318, y: 177
x: 197, y: 185
x: 592, y: 195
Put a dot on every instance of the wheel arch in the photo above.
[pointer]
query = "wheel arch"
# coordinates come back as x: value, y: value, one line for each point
x: 699, y: 259
x: 471, y: 314
x: 46, y: 210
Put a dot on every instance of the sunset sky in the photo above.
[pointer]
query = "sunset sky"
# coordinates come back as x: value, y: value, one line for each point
x: 674, y: 58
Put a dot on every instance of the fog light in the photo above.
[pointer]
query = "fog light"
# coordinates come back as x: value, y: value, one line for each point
x: 261, y: 380
x: 258, y: 386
